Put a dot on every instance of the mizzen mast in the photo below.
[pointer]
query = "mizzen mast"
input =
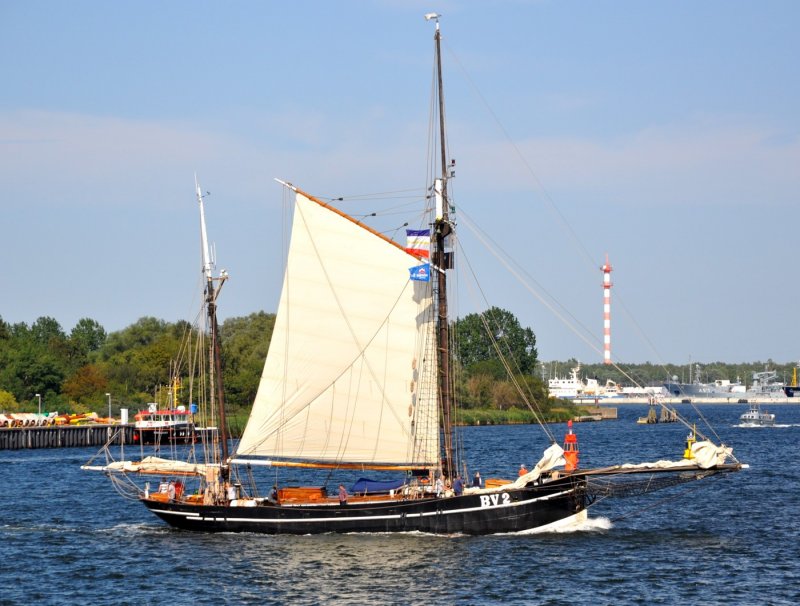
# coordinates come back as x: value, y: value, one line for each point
x: 211, y: 307
x: 442, y: 228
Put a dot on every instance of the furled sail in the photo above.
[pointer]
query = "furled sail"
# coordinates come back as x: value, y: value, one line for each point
x: 153, y: 465
x: 350, y: 373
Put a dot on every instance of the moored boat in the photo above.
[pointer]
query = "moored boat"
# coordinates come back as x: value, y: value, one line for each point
x: 793, y: 389
x: 719, y: 388
x: 574, y: 387
x: 765, y: 386
x: 164, y: 426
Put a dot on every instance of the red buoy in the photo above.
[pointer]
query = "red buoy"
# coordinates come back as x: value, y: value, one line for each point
x: 571, y: 452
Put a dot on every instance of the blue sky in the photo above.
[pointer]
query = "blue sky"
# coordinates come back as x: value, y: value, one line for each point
x: 665, y: 134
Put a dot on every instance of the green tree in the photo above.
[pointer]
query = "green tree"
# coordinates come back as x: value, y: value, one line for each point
x: 245, y: 342
x: 141, y: 333
x: 28, y: 367
x: 8, y: 403
x: 87, y: 385
x: 87, y: 335
x: 505, y: 395
x: 477, y: 334
x: 477, y: 391
x: 47, y: 331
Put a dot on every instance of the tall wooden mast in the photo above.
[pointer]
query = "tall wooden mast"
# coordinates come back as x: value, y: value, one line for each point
x: 211, y: 307
x: 442, y: 228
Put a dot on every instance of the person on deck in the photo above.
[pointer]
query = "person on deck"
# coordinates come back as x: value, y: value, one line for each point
x: 342, y: 495
x: 458, y: 486
x: 273, y: 496
x: 523, y: 470
x: 476, y: 481
x: 439, y: 486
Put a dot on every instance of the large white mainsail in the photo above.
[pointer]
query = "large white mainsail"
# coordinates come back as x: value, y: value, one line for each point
x: 350, y: 375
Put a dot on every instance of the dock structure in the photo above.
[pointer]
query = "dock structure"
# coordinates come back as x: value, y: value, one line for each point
x: 64, y: 436
x: 606, y: 413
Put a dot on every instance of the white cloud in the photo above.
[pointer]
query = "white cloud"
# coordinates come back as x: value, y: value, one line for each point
x: 698, y: 160
x: 90, y: 160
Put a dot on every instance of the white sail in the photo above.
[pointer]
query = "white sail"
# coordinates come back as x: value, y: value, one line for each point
x: 350, y: 374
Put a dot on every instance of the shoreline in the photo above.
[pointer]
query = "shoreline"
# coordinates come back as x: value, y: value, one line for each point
x: 735, y: 401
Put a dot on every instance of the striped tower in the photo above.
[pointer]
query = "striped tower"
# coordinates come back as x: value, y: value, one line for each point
x: 607, y: 312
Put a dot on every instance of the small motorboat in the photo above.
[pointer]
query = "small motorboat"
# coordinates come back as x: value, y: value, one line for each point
x: 755, y: 416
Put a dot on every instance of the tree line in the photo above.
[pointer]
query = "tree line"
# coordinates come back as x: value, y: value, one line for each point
x: 73, y: 372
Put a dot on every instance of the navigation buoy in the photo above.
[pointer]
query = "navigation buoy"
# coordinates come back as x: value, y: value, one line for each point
x: 690, y: 439
x: 571, y: 452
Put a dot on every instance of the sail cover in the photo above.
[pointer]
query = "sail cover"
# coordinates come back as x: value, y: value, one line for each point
x: 350, y: 373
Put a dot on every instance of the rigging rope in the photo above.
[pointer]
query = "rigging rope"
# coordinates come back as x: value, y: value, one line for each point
x: 570, y: 231
x: 530, y: 402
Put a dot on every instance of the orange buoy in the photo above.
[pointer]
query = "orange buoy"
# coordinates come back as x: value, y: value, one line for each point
x: 571, y: 452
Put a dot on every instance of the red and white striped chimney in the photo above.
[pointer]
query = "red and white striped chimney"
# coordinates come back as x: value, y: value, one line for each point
x: 607, y: 312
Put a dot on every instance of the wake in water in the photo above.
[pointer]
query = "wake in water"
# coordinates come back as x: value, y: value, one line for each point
x: 581, y: 525
x: 587, y: 525
x: 140, y: 528
x: 756, y: 426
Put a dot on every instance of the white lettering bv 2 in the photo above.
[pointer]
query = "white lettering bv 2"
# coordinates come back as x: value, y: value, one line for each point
x: 493, y: 500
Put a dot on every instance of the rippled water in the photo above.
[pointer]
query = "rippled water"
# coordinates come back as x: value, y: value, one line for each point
x: 67, y: 538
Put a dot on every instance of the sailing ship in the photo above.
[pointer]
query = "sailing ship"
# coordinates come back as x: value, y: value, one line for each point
x: 358, y: 378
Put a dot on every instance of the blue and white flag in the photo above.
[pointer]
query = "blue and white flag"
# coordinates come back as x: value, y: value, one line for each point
x: 421, y: 273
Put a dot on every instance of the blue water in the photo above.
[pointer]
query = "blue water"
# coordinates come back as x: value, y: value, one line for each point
x: 67, y: 538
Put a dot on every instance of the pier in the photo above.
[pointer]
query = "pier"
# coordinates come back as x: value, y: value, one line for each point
x: 65, y: 436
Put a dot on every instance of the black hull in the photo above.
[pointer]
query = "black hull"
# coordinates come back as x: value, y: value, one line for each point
x: 791, y: 391
x: 503, y: 511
